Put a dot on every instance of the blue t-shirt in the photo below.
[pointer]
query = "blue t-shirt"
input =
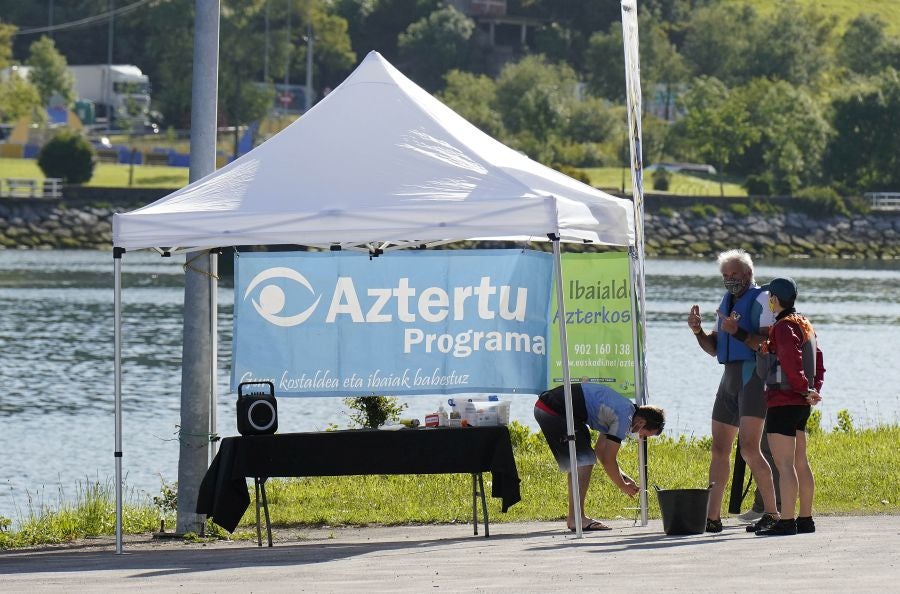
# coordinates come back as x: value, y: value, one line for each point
x: 607, y: 411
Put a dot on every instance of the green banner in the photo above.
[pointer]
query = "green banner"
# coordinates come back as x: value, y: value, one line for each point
x: 599, y: 314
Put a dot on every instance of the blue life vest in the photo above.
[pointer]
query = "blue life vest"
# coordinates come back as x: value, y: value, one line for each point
x: 729, y: 348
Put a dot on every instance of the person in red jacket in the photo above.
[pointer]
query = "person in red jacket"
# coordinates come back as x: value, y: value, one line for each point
x: 793, y: 370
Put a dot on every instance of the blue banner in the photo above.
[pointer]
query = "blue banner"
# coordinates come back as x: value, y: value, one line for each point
x: 404, y: 323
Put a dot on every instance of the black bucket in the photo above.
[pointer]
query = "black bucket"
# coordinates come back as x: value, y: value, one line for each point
x: 683, y: 510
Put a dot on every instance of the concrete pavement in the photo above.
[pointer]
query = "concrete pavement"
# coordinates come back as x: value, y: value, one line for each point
x: 847, y: 553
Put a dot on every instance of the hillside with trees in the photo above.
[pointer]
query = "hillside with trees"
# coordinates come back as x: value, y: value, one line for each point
x: 782, y: 97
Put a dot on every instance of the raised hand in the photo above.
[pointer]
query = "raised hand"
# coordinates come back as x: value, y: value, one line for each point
x: 694, y: 319
x: 729, y: 323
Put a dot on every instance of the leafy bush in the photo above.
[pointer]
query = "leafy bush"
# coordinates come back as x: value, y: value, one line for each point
x: 857, y: 204
x: 662, y: 179
x: 764, y: 207
x: 814, y: 424
x: 372, y: 411
x: 741, y: 210
x: 166, y: 502
x: 665, y: 211
x: 845, y: 422
x: 758, y: 185
x: 68, y: 156
x: 703, y: 210
x: 821, y: 202
x: 573, y: 172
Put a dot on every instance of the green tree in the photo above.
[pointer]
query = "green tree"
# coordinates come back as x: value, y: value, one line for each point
x: 864, y: 153
x: 171, y: 67
x: 715, y: 129
x: 68, y: 156
x: 242, y: 101
x: 604, y: 64
x: 661, y: 64
x: 791, y: 134
x: 377, y: 24
x: 473, y: 96
x: 535, y: 97
x: 6, y: 36
x: 663, y: 70
x: 432, y: 46
x: 717, y: 40
x: 333, y: 55
x: 593, y: 120
x: 49, y: 73
x: 865, y: 48
x: 791, y: 46
x: 18, y: 97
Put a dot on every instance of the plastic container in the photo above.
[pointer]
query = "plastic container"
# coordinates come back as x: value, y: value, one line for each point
x: 683, y: 510
x: 486, y: 413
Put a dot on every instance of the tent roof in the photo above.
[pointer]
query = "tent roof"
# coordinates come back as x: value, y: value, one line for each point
x: 377, y: 160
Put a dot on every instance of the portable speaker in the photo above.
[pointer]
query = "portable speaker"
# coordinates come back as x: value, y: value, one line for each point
x: 257, y: 410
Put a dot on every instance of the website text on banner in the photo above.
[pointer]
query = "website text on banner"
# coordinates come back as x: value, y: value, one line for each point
x: 599, y: 308
x: 404, y: 323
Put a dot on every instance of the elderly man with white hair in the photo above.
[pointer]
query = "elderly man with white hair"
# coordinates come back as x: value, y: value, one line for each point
x: 742, y: 325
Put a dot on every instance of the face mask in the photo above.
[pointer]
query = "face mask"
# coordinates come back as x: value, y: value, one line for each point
x: 734, y: 286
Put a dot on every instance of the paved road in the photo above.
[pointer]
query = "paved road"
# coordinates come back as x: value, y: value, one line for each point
x: 855, y: 554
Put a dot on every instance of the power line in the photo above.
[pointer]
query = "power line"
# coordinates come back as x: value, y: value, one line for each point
x: 88, y: 21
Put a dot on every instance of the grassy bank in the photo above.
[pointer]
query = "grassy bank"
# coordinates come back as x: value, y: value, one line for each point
x: 114, y: 175
x: 856, y: 473
x: 107, y: 175
x: 682, y: 184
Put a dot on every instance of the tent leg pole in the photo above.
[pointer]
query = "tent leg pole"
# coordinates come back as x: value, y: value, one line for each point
x: 213, y: 363
x: 117, y: 357
x: 567, y: 387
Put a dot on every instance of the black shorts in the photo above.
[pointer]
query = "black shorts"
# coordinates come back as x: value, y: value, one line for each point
x: 787, y: 420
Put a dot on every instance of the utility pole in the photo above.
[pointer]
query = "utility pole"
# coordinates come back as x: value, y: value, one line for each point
x: 287, y: 58
x: 109, y: 59
x: 198, y: 350
x: 266, y: 54
x: 309, y: 66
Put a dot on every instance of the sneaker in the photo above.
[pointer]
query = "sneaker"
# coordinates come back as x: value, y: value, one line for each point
x: 750, y: 516
x: 781, y: 528
x: 805, y: 525
x: 764, y: 523
x: 713, y: 525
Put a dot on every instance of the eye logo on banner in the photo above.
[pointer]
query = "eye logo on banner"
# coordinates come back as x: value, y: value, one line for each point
x: 272, y: 297
x: 329, y: 324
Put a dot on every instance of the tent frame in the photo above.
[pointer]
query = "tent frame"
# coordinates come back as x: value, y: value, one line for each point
x: 372, y: 249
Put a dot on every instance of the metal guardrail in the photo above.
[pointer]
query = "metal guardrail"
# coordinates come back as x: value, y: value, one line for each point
x: 884, y: 200
x: 17, y: 187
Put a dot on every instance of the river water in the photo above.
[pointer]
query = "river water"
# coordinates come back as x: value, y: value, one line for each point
x: 56, y: 367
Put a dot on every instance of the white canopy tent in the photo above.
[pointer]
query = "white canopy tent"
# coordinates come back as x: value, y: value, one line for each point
x: 378, y: 164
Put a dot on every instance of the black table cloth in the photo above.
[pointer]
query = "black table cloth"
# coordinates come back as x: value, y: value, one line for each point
x: 224, y: 496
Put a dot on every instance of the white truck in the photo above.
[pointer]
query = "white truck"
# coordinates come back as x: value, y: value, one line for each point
x: 119, y: 91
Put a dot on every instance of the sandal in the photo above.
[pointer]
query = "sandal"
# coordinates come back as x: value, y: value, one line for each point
x: 593, y: 526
